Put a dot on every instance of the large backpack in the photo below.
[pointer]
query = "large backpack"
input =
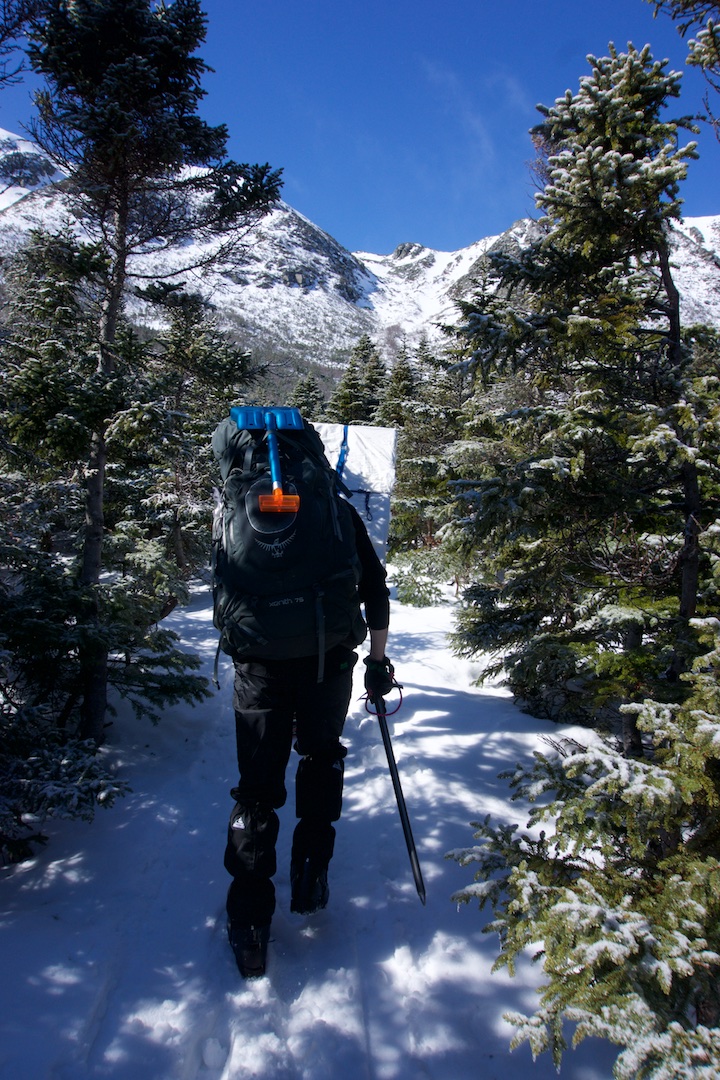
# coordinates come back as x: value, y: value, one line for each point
x: 285, y: 581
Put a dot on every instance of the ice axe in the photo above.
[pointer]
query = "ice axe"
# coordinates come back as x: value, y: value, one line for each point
x: 252, y: 418
x: 380, y: 710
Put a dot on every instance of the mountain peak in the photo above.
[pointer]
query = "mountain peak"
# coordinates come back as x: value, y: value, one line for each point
x: 408, y: 251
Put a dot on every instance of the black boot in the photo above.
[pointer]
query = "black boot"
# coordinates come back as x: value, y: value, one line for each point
x: 312, y: 850
x: 310, y: 890
x: 249, y: 944
x: 250, y: 859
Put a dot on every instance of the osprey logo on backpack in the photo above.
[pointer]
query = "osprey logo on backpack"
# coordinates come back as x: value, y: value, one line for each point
x: 285, y: 566
x: 277, y: 548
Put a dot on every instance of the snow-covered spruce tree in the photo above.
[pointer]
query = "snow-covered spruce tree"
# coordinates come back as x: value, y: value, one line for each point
x: 119, y: 113
x: 614, y: 887
x: 308, y: 397
x: 397, y: 391
x: 432, y: 414
x: 431, y: 423
x: 599, y: 502
x: 587, y: 505
x: 161, y: 456
x: 347, y: 404
x: 357, y: 396
x: 374, y: 375
x: 50, y: 400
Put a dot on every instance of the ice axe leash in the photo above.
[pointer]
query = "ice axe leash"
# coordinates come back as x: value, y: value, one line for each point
x: 380, y: 710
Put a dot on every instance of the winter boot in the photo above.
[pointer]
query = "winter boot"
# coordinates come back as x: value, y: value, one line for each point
x: 310, y: 890
x: 249, y: 944
x: 312, y: 850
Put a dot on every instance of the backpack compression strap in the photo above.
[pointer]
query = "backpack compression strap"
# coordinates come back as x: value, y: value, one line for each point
x: 343, y: 452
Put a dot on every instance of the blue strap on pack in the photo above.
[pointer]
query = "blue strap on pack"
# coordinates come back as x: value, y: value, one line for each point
x: 343, y: 452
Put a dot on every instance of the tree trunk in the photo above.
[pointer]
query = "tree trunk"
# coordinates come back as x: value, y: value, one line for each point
x: 94, y: 654
x: 689, y: 561
x: 631, y: 737
x: 673, y: 305
x: 690, y: 554
x: 94, y: 512
x: 179, y: 546
x: 632, y: 743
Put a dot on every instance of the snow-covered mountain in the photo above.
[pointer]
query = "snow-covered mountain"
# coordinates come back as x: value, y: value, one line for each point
x: 23, y: 169
x: 291, y: 290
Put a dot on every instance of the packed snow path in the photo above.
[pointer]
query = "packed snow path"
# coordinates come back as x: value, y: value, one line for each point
x: 115, y: 961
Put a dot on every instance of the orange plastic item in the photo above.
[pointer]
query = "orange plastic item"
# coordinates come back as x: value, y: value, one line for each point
x: 277, y: 503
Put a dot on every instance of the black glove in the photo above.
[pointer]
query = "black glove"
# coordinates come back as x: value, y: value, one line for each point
x: 378, y: 677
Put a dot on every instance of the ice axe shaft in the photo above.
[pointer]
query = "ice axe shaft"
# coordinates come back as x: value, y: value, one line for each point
x: 254, y: 418
x: 278, y: 502
x: 400, y: 798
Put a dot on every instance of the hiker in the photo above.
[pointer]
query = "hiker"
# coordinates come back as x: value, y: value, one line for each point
x: 284, y: 699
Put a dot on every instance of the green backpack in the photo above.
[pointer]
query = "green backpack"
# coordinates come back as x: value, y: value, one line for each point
x: 285, y: 564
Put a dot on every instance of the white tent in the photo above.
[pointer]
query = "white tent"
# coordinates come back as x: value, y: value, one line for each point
x: 365, y: 460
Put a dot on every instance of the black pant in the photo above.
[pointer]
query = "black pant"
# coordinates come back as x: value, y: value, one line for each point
x: 274, y: 702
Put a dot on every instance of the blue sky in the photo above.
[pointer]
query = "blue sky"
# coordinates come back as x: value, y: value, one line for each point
x: 399, y: 120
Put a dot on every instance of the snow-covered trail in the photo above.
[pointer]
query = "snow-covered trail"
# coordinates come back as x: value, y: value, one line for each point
x: 113, y: 943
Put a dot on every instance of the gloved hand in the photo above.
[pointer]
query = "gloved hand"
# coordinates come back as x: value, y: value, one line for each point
x: 378, y: 677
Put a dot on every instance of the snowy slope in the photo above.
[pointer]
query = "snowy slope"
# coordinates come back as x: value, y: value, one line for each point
x: 292, y: 291
x: 23, y: 169
x: 696, y: 264
x: 115, y: 958
x: 413, y: 287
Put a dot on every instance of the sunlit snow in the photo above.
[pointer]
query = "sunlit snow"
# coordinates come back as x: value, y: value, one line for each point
x: 113, y: 938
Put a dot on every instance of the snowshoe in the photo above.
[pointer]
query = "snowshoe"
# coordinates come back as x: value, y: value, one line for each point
x: 249, y: 944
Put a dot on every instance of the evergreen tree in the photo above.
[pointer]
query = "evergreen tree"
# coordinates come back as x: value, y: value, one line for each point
x: 397, y: 391
x: 425, y: 471
x: 432, y: 425
x: 49, y: 404
x: 120, y: 114
x: 617, y: 876
x: 347, y: 403
x: 357, y: 395
x: 587, y: 507
x: 308, y: 397
x: 374, y: 376
x: 593, y: 511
